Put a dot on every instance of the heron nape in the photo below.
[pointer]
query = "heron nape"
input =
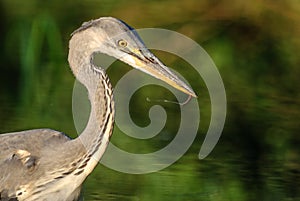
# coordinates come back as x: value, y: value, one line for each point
x: 46, y: 165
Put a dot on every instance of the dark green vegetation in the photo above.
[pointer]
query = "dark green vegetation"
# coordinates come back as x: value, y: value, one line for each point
x: 256, y: 48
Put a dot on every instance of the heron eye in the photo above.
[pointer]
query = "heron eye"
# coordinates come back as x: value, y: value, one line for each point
x: 122, y: 43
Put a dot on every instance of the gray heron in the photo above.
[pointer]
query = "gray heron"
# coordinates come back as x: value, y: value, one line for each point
x: 46, y: 165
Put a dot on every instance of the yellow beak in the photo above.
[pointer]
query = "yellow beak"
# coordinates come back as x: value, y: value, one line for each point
x: 148, y: 63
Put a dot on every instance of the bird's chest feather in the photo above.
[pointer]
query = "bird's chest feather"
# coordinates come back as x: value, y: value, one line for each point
x: 60, y: 190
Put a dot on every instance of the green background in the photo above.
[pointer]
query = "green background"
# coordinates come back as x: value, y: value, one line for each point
x: 255, y: 45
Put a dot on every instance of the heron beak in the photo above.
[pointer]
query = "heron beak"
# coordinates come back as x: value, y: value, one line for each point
x: 145, y: 61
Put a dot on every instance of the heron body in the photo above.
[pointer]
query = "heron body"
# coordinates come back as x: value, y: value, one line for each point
x: 46, y: 165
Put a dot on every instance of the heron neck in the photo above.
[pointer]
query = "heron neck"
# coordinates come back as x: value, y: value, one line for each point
x: 96, y: 135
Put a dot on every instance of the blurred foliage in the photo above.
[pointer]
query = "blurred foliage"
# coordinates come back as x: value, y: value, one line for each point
x: 255, y: 45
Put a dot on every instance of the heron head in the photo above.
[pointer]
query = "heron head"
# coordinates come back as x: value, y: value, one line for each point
x: 115, y: 38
